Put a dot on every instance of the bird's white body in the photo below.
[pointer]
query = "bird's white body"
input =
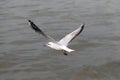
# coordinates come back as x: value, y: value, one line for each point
x: 58, y: 46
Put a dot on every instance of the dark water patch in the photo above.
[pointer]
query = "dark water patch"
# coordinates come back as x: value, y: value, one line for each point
x: 108, y: 71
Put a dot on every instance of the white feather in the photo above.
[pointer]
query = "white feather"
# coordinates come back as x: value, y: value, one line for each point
x: 68, y: 38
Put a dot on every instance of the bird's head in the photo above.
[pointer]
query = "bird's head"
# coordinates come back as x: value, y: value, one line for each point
x: 49, y: 44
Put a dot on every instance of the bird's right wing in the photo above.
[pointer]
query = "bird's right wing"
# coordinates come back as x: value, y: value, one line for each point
x: 38, y: 30
x: 69, y: 37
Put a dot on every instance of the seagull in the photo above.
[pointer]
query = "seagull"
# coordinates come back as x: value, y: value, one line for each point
x: 61, y: 44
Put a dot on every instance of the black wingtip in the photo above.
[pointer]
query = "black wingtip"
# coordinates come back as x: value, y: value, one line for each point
x: 82, y: 27
x: 36, y: 28
x: 30, y: 21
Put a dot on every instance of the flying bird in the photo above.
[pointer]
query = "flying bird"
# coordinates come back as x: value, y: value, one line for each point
x: 63, y: 43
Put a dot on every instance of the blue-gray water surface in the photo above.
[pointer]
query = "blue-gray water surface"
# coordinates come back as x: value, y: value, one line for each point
x: 23, y: 56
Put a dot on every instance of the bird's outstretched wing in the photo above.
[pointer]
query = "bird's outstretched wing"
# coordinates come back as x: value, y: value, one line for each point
x: 69, y: 37
x: 38, y: 30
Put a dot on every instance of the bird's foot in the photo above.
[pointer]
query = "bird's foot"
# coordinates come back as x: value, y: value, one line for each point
x: 65, y: 53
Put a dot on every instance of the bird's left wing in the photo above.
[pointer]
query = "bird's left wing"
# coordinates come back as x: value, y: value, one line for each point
x: 38, y: 30
x: 68, y: 38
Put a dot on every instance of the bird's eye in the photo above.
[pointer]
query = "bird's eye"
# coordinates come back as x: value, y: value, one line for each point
x: 48, y: 44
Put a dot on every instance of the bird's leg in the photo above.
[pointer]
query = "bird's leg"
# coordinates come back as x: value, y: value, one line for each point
x: 64, y: 52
